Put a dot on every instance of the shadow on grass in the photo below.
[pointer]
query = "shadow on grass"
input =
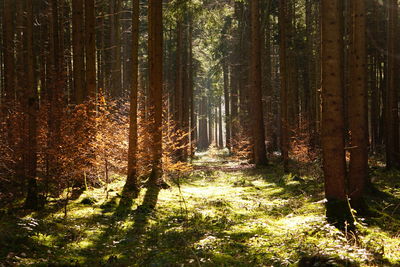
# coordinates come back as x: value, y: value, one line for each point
x: 170, y: 237
x: 384, y: 211
x: 107, y: 246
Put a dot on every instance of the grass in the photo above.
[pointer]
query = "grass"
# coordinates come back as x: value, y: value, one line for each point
x: 223, y: 214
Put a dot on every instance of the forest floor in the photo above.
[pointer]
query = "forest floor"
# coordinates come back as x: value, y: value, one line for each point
x: 225, y: 213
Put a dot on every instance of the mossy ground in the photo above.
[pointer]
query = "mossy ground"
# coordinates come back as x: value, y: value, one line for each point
x: 223, y: 214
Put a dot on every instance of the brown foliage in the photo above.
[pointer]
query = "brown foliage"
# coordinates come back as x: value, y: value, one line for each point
x: 89, y: 149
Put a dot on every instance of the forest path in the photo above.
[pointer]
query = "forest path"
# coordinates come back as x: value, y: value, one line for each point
x: 219, y: 160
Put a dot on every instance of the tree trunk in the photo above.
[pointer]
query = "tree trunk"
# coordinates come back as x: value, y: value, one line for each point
x: 234, y: 103
x: 156, y: 85
x: 131, y: 188
x: 220, y: 134
x: 178, y: 97
x: 31, y: 108
x: 256, y: 109
x: 116, y: 78
x: 225, y: 68
x: 8, y: 53
x: 334, y: 165
x: 90, y: 47
x: 283, y: 88
x: 392, y: 117
x: 358, y: 106
x: 203, y: 140
x: 78, y: 52
x: 193, y: 121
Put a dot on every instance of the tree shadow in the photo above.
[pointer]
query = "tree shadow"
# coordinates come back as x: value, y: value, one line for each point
x: 384, y: 211
x: 107, y: 245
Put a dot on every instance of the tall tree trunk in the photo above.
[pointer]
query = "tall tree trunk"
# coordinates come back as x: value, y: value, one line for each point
x: 101, y: 45
x: 225, y: 69
x: 90, y: 47
x: 210, y: 122
x: 392, y: 116
x: 131, y: 188
x: 234, y: 103
x: 284, y: 139
x: 220, y: 134
x: 256, y: 109
x: 311, y: 89
x: 31, y: 108
x: 156, y: 85
x: 8, y: 53
x: 193, y: 121
x: 178, y: 97
x: 8, y: 93
x: 216, y: 126
x: 203, y: 140
x: 54, y: 88
x: 358, y: 106
x: 185, y: 94
x: 334, y: 165
x: 78, y: 51
x: 116, y: 78
x: 267, y: 75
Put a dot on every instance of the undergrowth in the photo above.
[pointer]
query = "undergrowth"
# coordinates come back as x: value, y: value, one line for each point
x: 223, y: 214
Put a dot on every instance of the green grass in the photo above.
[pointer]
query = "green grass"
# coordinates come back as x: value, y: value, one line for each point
x: 222, y: 214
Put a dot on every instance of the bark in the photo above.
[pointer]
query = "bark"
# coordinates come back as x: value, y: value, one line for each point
x: 358, y: 106
x: 193, y: 121
x: 225, y: 68
x: 78, y: 51
x: 90, y: 47
x: 216, y: 126
x: 234, y: 104
x: 310, y: 97
x: 178, y: 96
x: 210, y: 122
x: 116, y: 75
x: 203, y: 141
x: 267, y: 77
x: 156, y: 85
x: 101, y: 45
x: 392, y: 117
x: 54, y: 87
x: 334, y: 165
x: 284, y: 138
x: 256, y: 109
x: 220, y: 134
x: 8, y: 52
x: 31, y: 107
x: 131, y: 188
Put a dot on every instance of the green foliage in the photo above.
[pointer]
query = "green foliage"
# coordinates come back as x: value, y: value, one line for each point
x: 222, y: 214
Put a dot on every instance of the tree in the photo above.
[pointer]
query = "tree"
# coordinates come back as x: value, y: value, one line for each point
x: 8, y: 46
x: 8, y: 92
x: 193, y: 121
x: 391, y: 114
x: 131, y: 188
x: 90, y: 47
x: 203, y: 140
x: 116, y: 80
x: 283, y: 77
x: 225, y: 69
x: 179, y: 86
x: 332, y: 132
x: 155, y: 20
x: 256, y: 109
x: 31, y: 107
x: 78, y: 49
x: 358, y: 105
